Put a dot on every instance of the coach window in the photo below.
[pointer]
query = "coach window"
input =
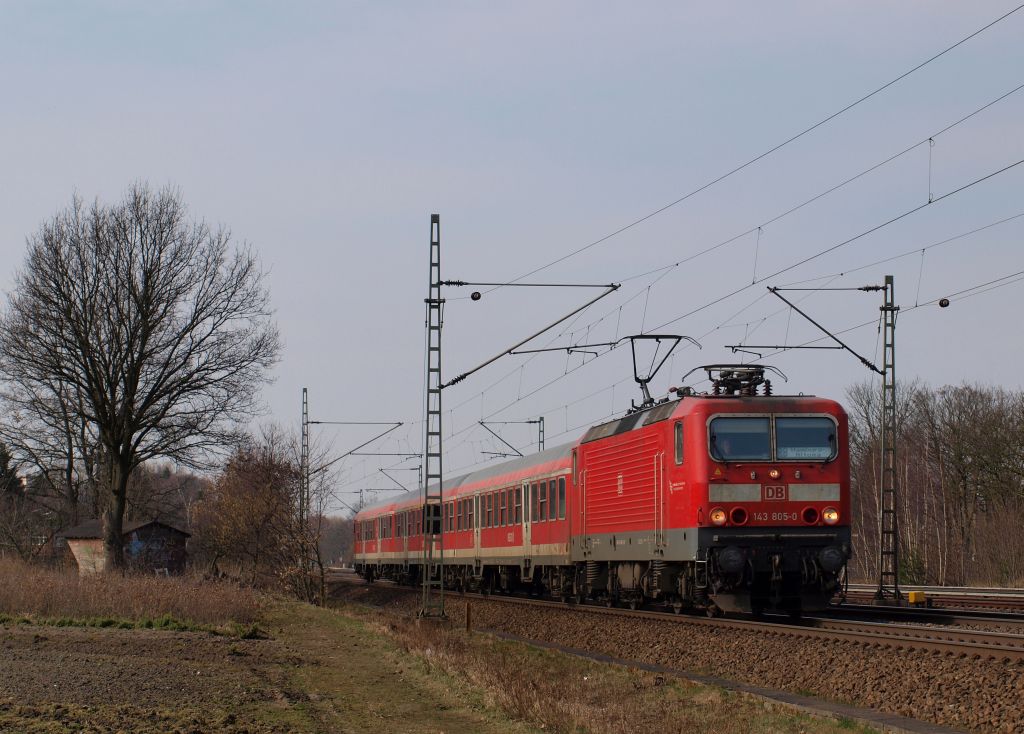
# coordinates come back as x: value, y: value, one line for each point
x: 552, y: 500
x: 561, y: 498
x: 510, y: 505
x: 533, y: 503
x: 679, y: 442
x: 542, y: 501
x: 519, y: 505
x: 474, y: 511
x: 487, y: 515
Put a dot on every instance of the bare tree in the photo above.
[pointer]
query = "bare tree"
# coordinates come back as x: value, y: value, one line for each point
x: 250, y: 524
x: 154, y: 329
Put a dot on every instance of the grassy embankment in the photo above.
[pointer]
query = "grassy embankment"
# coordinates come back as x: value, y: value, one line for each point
x: 92, y: 653
x: 557, y: 692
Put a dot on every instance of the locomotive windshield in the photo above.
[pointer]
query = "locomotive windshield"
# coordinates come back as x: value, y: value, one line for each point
x: 741, y: 439
x: 808, y: 437
x: 747, y: 438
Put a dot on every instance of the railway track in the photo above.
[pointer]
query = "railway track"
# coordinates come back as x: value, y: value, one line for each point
x: 1006, y: 621
x: 936, y: 636
x: 947, y: 597
x: 1001, y: 646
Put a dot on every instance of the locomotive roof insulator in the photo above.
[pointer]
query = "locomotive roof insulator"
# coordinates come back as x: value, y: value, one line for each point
x: 739, y: 379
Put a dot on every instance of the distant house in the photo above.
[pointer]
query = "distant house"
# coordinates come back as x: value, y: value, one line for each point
x: 149, y: 545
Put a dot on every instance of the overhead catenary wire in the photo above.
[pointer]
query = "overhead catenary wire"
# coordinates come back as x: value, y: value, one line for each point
x: 962, y: 294
x: 770, y: 151
x: 828, y: 277
x: 831, y: 189
x: 844, y: 243
x: 642, y: 291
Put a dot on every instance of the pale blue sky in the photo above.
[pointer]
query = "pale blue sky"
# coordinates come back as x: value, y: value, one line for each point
x: 325, y: 134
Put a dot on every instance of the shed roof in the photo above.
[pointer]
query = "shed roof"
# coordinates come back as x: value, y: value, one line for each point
x: 91, y: 529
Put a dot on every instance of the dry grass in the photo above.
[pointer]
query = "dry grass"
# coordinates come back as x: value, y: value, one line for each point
x: 564, y: 694
x: 43, y: 593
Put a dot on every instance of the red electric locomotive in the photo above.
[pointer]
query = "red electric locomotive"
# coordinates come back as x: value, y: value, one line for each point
x: 733, y: 500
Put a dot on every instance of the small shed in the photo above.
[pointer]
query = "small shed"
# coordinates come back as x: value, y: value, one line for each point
x: 149, y: 545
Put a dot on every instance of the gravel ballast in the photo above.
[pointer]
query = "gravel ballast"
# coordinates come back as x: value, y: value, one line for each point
x: 973, y: 694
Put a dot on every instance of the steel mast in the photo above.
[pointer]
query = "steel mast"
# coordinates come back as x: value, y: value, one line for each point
x: 432, y: 603
x: 889, y: 540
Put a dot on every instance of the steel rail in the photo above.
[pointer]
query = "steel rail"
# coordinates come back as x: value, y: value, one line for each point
x: 961, y: 643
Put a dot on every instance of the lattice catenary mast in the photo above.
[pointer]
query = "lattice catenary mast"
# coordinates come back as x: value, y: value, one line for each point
x: 888, y: 547
x: 432, y: 603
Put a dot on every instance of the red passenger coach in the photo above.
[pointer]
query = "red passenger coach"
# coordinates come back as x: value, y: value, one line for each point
x: 735, y: 500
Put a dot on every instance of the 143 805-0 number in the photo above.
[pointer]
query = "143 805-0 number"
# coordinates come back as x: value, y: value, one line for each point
x: 774, y: 516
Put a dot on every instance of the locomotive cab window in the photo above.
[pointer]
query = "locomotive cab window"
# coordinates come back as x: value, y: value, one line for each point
x: 805, y: 438
x: 740, y: 439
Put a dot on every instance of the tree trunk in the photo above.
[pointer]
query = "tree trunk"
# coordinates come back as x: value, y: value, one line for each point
x: 113, y: 517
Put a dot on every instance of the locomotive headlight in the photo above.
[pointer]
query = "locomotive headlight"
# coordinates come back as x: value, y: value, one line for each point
x: 775, y: 474
x: 830, y: 515
x: 717, y: 516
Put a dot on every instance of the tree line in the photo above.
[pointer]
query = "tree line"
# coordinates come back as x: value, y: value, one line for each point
x: 960, y: 469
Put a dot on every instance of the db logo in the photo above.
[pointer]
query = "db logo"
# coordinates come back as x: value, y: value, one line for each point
x: 775, y: 493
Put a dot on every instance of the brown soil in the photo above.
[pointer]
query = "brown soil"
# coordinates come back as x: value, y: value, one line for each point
x: 109, y: 680
x: 319, y: 672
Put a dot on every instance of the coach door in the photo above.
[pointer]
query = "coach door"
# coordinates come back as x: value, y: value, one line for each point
x: 476, y: 528
x: 527, y: 505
